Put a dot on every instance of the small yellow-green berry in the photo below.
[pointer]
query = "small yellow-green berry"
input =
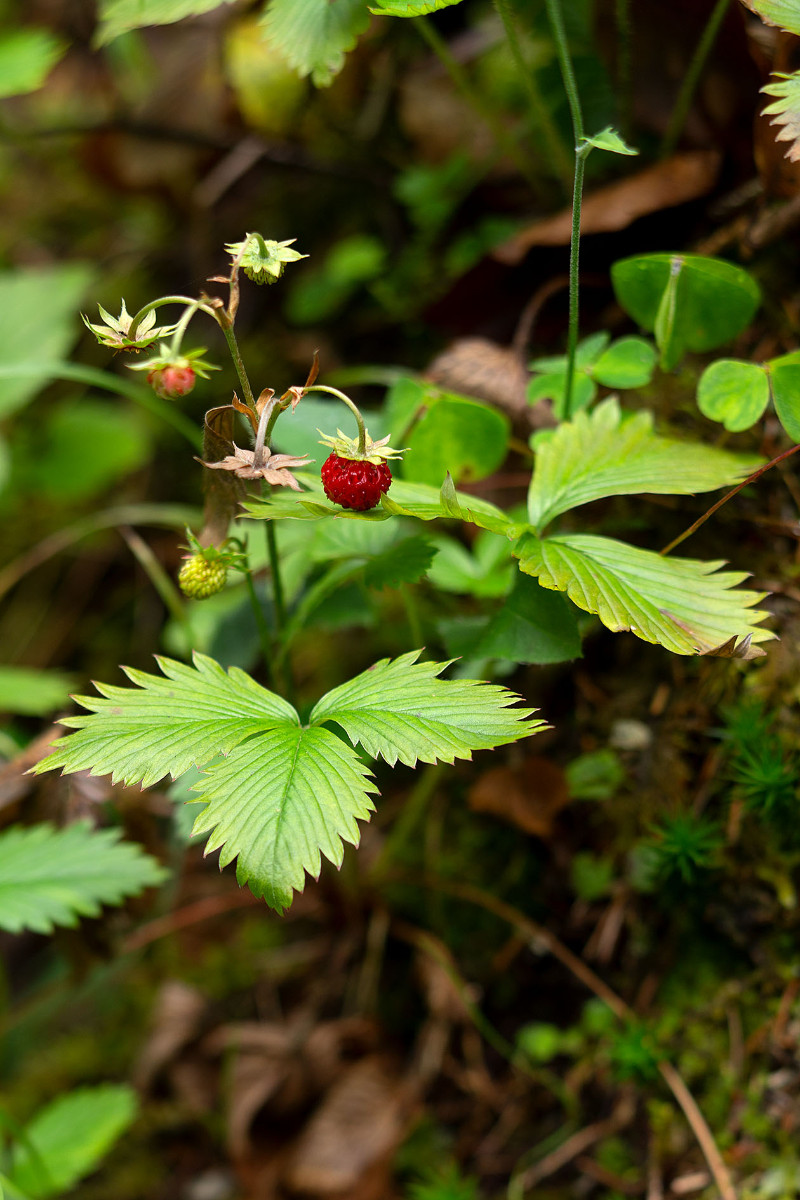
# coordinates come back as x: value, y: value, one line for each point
x: 198, y: 578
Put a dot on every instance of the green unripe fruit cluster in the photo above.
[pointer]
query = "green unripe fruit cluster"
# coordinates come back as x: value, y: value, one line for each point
x: 198, y: 578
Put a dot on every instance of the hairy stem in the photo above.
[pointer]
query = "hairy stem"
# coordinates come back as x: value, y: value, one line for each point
x: 474, y: 99
x: 556, y: 18
x: 160, y: 302
x: 332, y: 391
x: 225, y: 322
x: 692, y: 77
x: 556, y: 150
x: 183, y: 325
x: 622, y: 13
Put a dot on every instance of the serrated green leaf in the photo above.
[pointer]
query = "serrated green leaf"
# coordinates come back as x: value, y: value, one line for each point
x: 314, y: 35
x: 688, y: 606
x: 608, y: 139
x: 26, y: 58
x: 278, y: 801
x: 611, y: 453
x: 167, y: 724
x: 119, y: 16
x: 68, y: 1138
x: 733, y: 392
x: 406, y: 562
x: 785, y: 13
x: 410, y: 8
x: 399, y: 710
x: 408, y: 499
x: 785, y: 110
x: 533, y: 626
x: 55, y: 876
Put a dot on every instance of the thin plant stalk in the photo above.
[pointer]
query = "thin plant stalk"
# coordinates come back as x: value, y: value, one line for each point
x: 556, y: 150
x: 473, y: 97
x: 622, y: 12
x: 264, y: 634
x: 200, y: 305
x: 556, y: 18
x: 692, y: 77
x: 332, y: 391
x: 226, y: 325
x: 160, y: 580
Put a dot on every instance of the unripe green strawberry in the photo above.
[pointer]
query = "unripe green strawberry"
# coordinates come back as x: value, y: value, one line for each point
x: 198, y: 578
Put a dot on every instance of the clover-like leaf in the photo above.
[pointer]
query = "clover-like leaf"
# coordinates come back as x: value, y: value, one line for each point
x: 54, y: 876
x: 733, y: 392
x: 612, y: 453
x: 688, y: 606
x: 398, y: 709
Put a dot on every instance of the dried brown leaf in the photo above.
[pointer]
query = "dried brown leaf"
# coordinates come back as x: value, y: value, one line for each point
x: 675, y: 181
x: 529, y: 796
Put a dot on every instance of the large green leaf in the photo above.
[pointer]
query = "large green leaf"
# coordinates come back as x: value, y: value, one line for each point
x: 26, y: 58
x: 118, y: 16
x: 785, y: 13
x: 54, y: 876
x: 785, y: 110
x: 612, y: 453
x: 167, y: 724
x: 688, y: 301
x: 278, y: 801
x: 688, y: 606
x: 68, y: 1138
x: 43, y: 302
x: 314, y: 35
x: 398, y: 709
x: 404, y: 498
x: 284, y: 794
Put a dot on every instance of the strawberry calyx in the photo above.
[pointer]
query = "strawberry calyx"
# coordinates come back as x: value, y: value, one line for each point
x: 351, y: 448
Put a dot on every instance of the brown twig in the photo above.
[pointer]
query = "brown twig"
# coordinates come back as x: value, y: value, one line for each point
x: 728, y: 496
x: 540, y: 937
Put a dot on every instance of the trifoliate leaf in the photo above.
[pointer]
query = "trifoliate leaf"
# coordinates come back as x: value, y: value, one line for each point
x: 785, y: 110
x: 688, y: 606
x: 69, y: 1137
x: 612, y: 453
x: 278, y: 801
x: 55, y: 876
x: 314, y: 35
x: 166, y: 725
x: 398, y: 709
x: 733, y: 392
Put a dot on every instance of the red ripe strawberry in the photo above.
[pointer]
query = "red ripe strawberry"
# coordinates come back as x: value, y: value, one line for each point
x: 171, y: 382
x: 355, y: 483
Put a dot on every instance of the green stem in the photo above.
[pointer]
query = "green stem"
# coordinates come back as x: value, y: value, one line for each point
x: 574, y: 298
x: 624, y: 76
x: 473, y: 97
x: 264, y: 633
x: 556, y: 18
x: 692, y: 77
x: 332, y: 391
x: 171, y: 597
x: 226, y: 325
x: 181, y: 328
x: 160, y: 302
x: 539, y: 108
